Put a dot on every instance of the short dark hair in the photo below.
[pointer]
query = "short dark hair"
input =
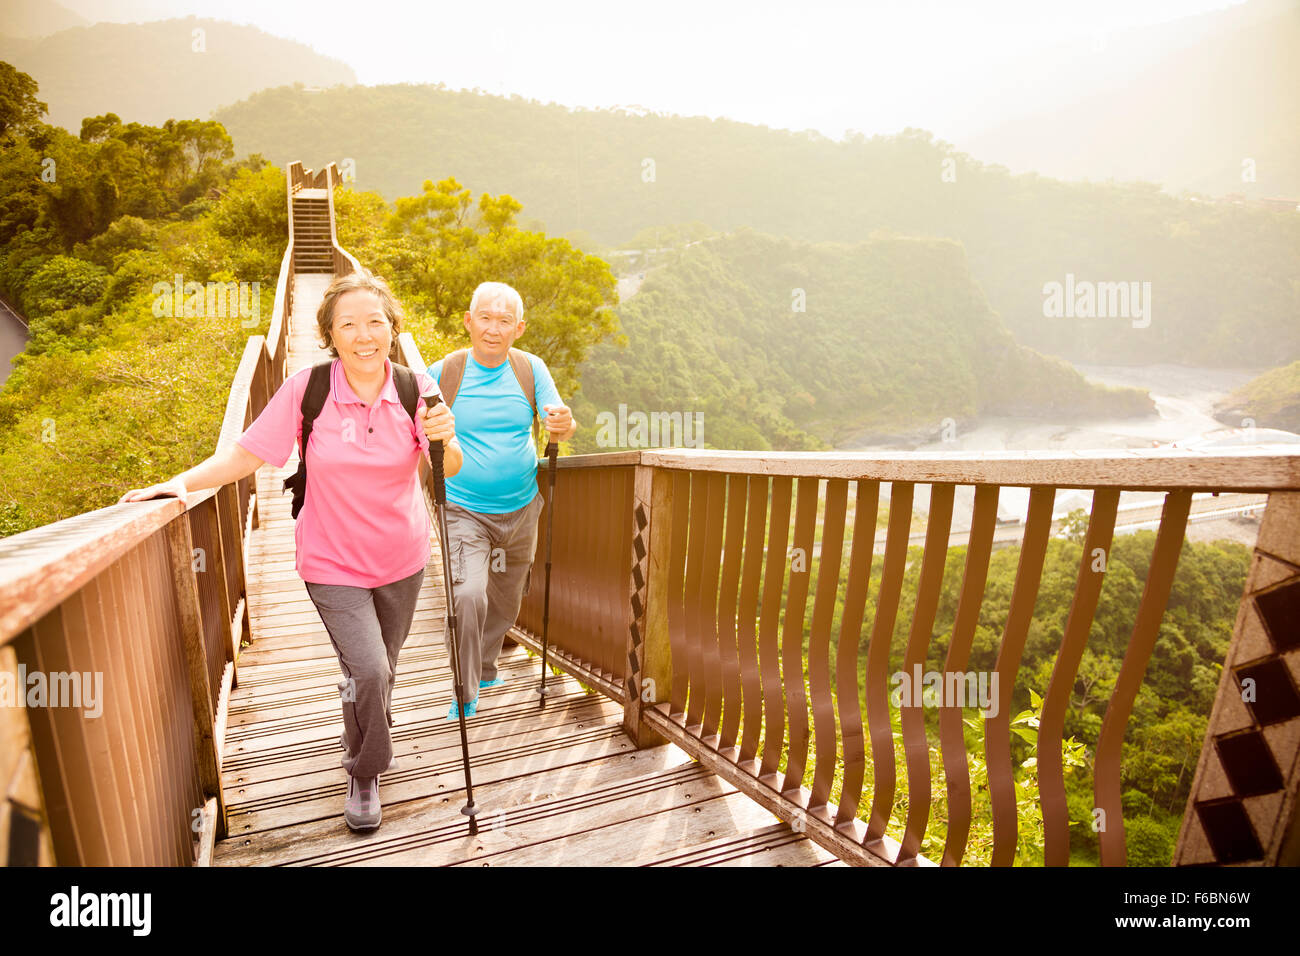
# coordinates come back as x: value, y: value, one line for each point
x: 367, y: 281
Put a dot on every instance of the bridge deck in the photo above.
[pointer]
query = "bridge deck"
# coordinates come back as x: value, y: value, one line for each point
x: 560, y: 786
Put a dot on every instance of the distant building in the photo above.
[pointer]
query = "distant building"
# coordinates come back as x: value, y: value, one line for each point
x: 1281, y: 205
x: 1235, y: 438
x: 1276, y: 203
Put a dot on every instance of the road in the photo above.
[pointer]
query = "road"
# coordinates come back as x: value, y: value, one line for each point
x: 13, y: 337
x: 1133, y: 515
x: 1227, y: 515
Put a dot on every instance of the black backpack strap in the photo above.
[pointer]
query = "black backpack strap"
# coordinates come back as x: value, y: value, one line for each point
x: 408, y: 388
x: 313, y: 400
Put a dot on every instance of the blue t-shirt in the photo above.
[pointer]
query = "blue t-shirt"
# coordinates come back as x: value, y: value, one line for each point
x: 494, y: 431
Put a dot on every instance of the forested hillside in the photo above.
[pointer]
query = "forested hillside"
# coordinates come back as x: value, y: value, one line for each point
x: 1271, y: 401
x: 150, y: 72
x: 121, y: 386
x: 1223, y: 278
x: 793, y: 345
x: 111, y: 393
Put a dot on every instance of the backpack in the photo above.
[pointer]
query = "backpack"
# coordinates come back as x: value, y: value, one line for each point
x: 313, y: 399
x: 453, y: 370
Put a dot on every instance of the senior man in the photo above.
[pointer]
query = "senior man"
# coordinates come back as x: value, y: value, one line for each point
x: 493, y: 502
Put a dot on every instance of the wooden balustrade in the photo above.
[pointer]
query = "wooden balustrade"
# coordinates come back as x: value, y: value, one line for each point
x: 145, y: 601
x: 344, y: 262
x: 717, y: 648
x: 592, y: 544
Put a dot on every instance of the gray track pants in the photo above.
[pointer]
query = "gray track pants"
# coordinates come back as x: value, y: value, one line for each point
x: 367, y: 627
x: 491, y: 556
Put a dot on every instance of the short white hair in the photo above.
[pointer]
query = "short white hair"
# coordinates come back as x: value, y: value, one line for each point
x: 491, y: 291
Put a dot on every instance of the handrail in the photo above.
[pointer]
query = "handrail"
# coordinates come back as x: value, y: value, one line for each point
x: 277, y: 331
x: 344, y: 262
x: 1268, y: 468
x: 149, y: 596
x: 40, y: 567
x: 675, y: 594
x: 1245, y: 470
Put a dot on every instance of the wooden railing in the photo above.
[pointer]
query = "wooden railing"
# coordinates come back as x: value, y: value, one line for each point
x: 146, y: 601
x: 676, y: 592
x: 151, y: 598
x: 326, y: 179
x: 300, y: 178
x: 593, y: 542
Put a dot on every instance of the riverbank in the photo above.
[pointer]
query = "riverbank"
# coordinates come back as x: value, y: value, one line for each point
x: 1184, y: 399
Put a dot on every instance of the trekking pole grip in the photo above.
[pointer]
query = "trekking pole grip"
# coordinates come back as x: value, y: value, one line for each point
x: 435, y: 459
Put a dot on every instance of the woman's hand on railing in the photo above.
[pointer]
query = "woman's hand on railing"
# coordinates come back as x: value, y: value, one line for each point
x: 172, y: 488
x: 230, y: 464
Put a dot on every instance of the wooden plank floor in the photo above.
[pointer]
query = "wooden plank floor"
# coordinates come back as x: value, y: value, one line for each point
x: 561, y: 786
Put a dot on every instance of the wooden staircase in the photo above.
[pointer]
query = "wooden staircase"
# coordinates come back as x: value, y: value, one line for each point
x: 313, y: 240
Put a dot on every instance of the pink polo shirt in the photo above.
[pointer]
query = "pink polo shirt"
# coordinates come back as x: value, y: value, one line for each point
x: 363, y: 521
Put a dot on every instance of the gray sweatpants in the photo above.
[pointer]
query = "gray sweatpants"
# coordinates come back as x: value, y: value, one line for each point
x: 367, y: 627
x: 491, y: 557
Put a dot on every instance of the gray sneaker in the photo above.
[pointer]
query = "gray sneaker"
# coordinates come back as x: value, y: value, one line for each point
x: 361, y: 810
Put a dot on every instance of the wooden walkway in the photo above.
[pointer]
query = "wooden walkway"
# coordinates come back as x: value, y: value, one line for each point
x: 563, y: 786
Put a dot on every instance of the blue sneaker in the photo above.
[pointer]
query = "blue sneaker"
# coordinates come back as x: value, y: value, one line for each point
x: 495, y: 682
x: 470, y: 708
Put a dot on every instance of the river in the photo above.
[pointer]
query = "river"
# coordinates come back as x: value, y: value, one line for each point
x: 1184, y: 398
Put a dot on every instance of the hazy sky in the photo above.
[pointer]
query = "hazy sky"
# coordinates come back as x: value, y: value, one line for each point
x: 951, y: 66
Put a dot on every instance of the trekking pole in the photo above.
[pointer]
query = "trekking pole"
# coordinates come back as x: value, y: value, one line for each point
x: 440, y: 499
x: 546, y: 597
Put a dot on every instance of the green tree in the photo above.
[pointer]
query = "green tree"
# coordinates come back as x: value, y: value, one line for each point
x: 19, y: 107
x: 1075, y: 527
x: 440, y: 245
x: 61, y: 283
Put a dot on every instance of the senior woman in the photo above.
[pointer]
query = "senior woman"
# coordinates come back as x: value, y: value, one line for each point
x: 362, y: 536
